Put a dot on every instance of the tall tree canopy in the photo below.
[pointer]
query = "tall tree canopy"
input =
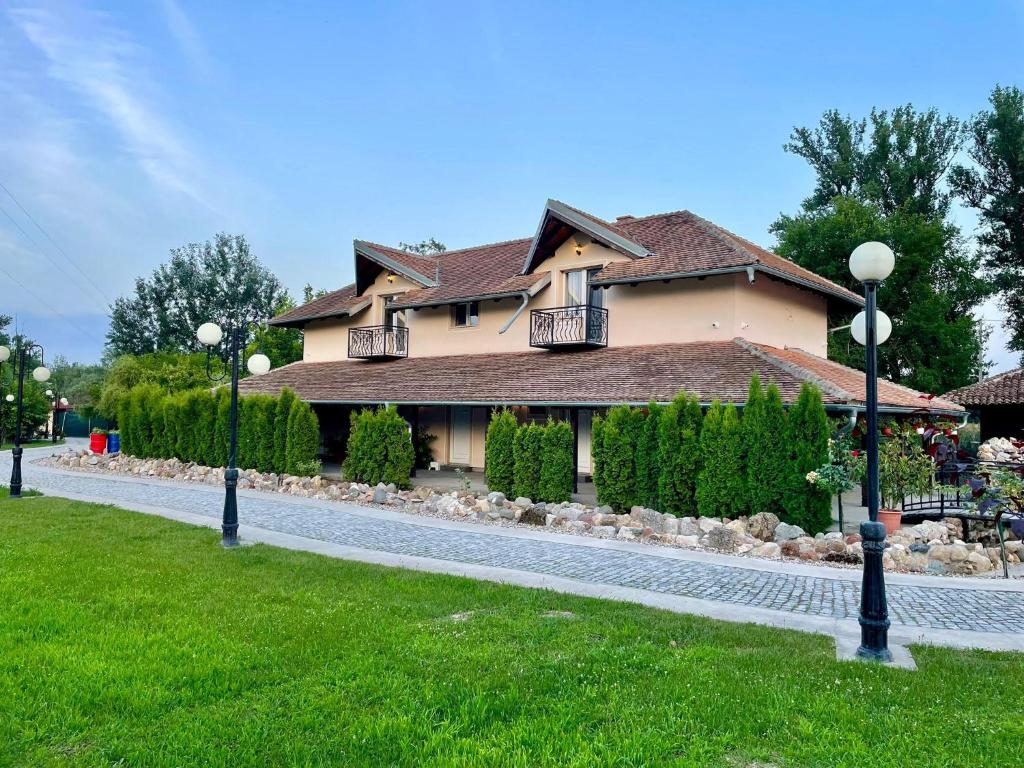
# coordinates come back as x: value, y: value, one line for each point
x: 995, y: 186
x: 219, y: 281
x: 884, y: 179
x: 428, y: 247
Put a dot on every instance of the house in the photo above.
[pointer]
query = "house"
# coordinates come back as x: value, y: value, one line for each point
x: 998, y: 401
x: 584, y: 315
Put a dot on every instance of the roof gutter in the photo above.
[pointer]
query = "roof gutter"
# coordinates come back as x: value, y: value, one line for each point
x: 747, y: 268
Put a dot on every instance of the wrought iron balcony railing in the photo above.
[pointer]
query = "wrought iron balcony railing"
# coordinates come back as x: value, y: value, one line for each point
x: 378, y: 342
x: 567, y: 327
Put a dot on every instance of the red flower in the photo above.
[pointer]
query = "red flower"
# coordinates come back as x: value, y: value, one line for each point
x: 855, y: 454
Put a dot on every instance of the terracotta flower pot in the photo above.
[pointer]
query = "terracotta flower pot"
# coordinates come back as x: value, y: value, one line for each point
x: 891, y: 519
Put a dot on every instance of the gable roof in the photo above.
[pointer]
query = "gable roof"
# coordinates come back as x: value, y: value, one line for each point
x: 1001, y: 389
x: 421, y: 270
x: 606, y: 376
x: 684, y: 244
x: 343, y: 302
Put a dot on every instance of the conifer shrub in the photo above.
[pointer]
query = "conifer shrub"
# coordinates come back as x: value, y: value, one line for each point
x: 767, y: 453
x: 303, y: 440
x: 281, y: 414
x: 499, y: 461
x: 648, y: 459
x: 620, y: 436
x: 205, y: 428
x: 679, y: 426
x: 359, y: 451
x: 558, y: 463
x: 527, y: 447
x: 222, y: 428
x: 167, y: 438
x: 380, y: 448
x: 721, y: 481
x: 807, y: 504
x: 597, y: 454
x: 264, y: 410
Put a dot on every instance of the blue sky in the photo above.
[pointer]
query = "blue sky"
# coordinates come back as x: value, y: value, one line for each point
x: 129, y: 128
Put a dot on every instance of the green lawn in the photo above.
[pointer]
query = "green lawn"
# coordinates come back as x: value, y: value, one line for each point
x: 134, y: 641
x: 31, y: 444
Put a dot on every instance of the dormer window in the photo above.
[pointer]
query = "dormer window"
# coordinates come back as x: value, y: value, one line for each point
x: 466, y: 315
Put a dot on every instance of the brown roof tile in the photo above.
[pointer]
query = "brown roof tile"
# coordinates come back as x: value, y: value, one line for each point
x: 334, y: 304
x: 718, y: 369
x: 1001, y: 389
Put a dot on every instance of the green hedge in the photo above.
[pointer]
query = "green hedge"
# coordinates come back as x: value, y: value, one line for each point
x: 499, y: 461
x: 764, y: 424
x: 527, y: 448
x: 195, y: 426
x: 679, y: 429
x: 804, y: 503
x: 558, y: 463
x: 380, y: 448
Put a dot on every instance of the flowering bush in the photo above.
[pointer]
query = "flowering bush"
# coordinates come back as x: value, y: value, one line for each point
x: 844, y: 469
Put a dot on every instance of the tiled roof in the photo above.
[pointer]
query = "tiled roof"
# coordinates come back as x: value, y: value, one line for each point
x: 485, y: 270
x: 1002, y: 389
x: 414, y: 264
x: 341, y: 302
x: 714, y: 369
x: 682, y: 242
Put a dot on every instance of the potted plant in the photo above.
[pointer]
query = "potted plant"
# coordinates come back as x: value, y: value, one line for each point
x: 113, y: 441
x: 98, y: 440
x: 844, y: 470
x: 904, y: 469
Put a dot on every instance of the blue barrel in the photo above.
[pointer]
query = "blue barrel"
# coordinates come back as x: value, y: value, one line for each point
x: 113, y: 443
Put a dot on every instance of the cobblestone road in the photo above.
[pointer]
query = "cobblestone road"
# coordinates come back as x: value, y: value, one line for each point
x: 934, y: 607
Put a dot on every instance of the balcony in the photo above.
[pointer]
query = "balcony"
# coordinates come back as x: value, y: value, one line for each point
x: 378, y: 342
x: 581, y: 326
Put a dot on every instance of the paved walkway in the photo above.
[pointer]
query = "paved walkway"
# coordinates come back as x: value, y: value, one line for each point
x: 959, y: 612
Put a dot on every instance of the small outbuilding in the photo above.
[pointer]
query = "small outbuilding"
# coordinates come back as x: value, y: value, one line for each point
x: 998, y: 401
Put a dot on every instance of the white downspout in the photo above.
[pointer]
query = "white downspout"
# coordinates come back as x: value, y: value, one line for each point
x: 519, y: 310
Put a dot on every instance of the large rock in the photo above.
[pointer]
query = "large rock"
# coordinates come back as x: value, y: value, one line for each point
x: 787, y: 532
x: 762, y: 525
x: 522, y: 501
x: 648, y: 518
x: 768, y: 549
x: 722, y: 538
x: 708, y: 524
x: 688, y: 527
x: 496, y: 498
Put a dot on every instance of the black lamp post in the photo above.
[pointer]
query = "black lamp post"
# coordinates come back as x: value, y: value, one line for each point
x: 41, y: 373
x: 210, y: 335
x: 871, y: 263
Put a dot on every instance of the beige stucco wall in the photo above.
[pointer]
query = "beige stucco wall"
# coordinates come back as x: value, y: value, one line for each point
x: 717, y: 308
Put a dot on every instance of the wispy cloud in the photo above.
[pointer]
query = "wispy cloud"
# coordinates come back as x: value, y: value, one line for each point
x: 106, y: 68
x: 188, y: 39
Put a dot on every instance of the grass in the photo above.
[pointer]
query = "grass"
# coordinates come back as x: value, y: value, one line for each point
x: 31, y: 444
x: 134, y: 641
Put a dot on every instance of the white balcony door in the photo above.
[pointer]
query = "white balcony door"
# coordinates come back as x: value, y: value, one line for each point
x: 461, y: 434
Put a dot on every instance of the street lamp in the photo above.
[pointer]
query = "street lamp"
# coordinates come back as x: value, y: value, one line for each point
x: 871, y: 263
x: 41, y: 374
x: 210, y: 335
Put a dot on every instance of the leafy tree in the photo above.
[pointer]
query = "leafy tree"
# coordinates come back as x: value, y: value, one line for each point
x: 767, y: 443
x: 303, y: 440
x: 721, y: 483
x: 882, y: 179
x: 35, y: 403
x: 558, y: 463
x: 995, y: 186
x: 80, y: 384
x: 170, y: 371
x: 499, y: 461
x: 806, y: 504
x: 679, y: 427
x: 648, y: 462
x: 220, y: 281
x: 428, y: 247
x: 527, y: 455
x: 281, y: 345
x: 281, y: 413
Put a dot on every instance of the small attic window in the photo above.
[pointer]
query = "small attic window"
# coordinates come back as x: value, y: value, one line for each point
x: 466, y: 315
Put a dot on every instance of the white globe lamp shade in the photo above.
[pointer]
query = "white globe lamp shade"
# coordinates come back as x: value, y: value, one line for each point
x: 258, y: 364
x: 883, y: 327
x: 872, y: 261
x: 5, y: 353
x: 9, y: 398
x: 209, y: 334
x: 41, y: 374
x: 49, y: 393
x: 63, y: 401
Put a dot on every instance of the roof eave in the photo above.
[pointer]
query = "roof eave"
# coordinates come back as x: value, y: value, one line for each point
x: 302, y: 321
x: 363, y: 248
x: 532, y: 291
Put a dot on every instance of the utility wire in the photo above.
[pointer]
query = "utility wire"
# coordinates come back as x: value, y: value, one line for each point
x: 43, y: 302
x: 56, y: 245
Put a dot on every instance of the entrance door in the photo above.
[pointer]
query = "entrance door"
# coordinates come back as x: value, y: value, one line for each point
x: 583, y: 460
x: 460, y: 434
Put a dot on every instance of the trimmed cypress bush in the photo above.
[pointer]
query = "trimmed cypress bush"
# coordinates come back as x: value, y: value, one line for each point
x: 222, y: 428
x: 303, y: 440
x: 167, y: 440
x: 264, y: 410
x: 620, y: 435
x: 767, y: 454
x: 281, y: 414
x: 380, y: 448
x: 721, y: 481
x: 679, y: 426
x: 186, y: 416
x: 246, y: 434
x: 359, y: 449
x: 806, y: 504
x: 648, y: 460
x: 399, y: 454
x: 557, y: 463
x: 499, y: 462
x: 527, y: 447
x: 206, y: 427
x: 597, y: 454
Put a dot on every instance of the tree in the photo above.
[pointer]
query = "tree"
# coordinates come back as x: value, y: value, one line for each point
x: 558, y: 463
x: 620, y: 435
x: 597, y: 453
x: 499, y: 461
x: 721, y: 483
x: 648, y: 462
x: 281, y: 413
x: 767, y: 451
x: 303, y: 440
x: 882, y: 179
x: 428, y: 247
x: 805, y: 504
x: 379, y: 448
x: 281, y: 345
x: 679, y: 427
x: 995, y: 186
x: 526, y: 451
x: 220, y: 281
x: 170, y: 371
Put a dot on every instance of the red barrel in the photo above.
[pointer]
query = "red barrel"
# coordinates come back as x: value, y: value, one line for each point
x: 97, y: 443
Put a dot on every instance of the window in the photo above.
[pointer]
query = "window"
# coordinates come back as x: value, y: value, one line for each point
x: 393, y: 318
x: 579, y: 292
x: 466, y: 315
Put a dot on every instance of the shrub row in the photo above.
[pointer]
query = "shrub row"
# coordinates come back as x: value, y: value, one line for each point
x: 275, y: 434
x: 681, y: 460
x: 531, y: 460
x: 380, y: 448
